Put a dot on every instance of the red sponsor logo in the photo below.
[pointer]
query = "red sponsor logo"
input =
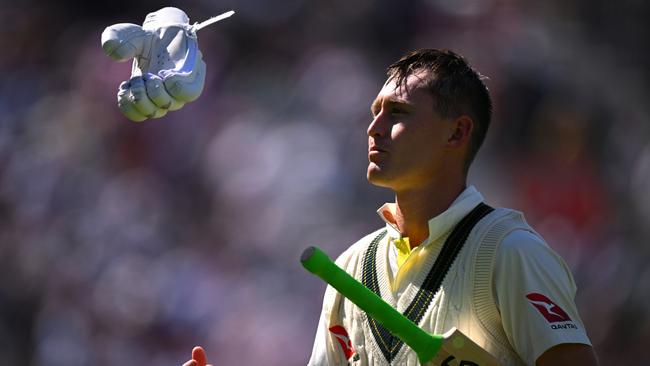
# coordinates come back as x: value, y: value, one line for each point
x: 550, y: 310
x: 341, y: 335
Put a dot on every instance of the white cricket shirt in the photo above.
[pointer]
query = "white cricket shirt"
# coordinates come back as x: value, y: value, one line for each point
x: 507, y: 290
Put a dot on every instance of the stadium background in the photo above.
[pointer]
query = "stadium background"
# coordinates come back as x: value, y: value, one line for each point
x: 124, y: 243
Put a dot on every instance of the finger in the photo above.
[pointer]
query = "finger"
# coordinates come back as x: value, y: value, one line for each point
x: 125, y: 102
x: 190, y: 363
x: 141, y: 100
x: 198, y: 354
x: 176, y: 105
x: 156, y: 92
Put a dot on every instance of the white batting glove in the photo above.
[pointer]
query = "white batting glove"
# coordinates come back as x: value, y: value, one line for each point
x: 168, y: 69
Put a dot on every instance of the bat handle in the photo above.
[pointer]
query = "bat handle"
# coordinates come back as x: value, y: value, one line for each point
x: 424, y: 344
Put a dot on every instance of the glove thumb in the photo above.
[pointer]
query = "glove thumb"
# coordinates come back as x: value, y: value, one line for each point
x: 124, y: 41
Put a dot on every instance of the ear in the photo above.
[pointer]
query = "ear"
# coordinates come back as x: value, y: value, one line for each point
x: 461, y: 131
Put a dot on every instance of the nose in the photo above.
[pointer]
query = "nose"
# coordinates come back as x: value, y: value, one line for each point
x: 378, y: 126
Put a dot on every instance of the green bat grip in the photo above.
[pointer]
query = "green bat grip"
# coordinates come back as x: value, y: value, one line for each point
x: 424, y: 344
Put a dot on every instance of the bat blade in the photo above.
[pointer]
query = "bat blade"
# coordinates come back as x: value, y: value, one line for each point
x: 459, y: 350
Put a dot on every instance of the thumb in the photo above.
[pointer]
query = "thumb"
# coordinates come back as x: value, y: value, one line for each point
x: 124, y: 41
x: 198, y: 354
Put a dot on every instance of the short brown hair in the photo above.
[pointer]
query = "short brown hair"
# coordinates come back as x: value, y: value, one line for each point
x: 456, y: 87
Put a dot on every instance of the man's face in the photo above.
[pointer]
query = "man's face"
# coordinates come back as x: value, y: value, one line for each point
x: 407, y: 138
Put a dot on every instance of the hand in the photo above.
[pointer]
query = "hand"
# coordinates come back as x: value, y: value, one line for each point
x: 168, y: 70
x: 198, y: 358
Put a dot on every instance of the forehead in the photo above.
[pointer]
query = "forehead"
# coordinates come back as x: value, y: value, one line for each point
x: 412, y: 90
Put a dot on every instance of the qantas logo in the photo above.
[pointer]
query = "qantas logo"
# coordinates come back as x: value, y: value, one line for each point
x: 341, y: 335
x: 549, y: 309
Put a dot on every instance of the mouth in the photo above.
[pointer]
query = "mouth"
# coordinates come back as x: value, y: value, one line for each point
x: 375, y: 148
x: 375, y: 154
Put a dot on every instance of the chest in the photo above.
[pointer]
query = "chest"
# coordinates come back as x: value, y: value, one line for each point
x: 435, y: 300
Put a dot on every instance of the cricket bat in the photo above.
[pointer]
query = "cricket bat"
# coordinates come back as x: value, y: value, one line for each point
x: 450, y: 349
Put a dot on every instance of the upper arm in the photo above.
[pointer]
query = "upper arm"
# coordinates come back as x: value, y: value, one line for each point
x: 534, y: 291
x: 568, y: 354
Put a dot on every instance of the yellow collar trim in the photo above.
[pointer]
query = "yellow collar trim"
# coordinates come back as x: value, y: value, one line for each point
x: 403, y: 247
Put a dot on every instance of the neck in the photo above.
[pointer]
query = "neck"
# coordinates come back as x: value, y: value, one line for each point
x: 416, y: 206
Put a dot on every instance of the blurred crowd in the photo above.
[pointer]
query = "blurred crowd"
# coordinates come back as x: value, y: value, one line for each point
x: 127, y: 244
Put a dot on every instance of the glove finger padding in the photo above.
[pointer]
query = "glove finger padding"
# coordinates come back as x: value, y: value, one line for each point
x: 134, y: 102
x: 125, y: 102
x: 168, y: 69
x: 141, y: 101
x: 159, y: 95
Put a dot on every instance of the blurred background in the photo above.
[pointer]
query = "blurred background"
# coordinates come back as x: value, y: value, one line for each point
x: 125, y: 243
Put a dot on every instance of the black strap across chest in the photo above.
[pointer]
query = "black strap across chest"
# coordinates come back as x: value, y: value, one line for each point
x: 388, y: 343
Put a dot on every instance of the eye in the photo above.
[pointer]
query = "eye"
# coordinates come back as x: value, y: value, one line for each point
x: 397, y: 110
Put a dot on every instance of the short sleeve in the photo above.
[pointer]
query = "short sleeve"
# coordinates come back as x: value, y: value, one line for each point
x: 535, y: 293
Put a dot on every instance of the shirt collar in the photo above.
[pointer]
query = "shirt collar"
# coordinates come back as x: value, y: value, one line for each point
x: 440, y: 224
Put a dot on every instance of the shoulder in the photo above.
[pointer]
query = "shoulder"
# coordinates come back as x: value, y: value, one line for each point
x: 522, y: 241
x: 515, y: 236
x: 524, y: 257
x: 498, y: 223
x: 356, y: 250
x: 521, y: 250
x: 525, y: 245
x: 350, y: 261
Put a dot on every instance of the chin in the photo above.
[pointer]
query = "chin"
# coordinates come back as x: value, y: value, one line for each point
x: 376, y: 178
